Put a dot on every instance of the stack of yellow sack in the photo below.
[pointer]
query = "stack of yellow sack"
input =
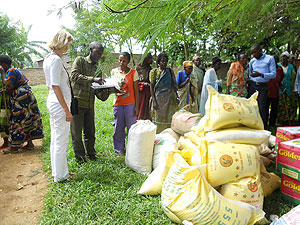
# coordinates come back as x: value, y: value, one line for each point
x: 221, y: 152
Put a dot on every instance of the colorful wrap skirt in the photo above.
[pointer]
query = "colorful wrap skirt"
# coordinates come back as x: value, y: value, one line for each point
x: 25, y: 118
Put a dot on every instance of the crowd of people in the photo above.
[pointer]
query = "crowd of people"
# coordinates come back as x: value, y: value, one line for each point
x: 147, y: 92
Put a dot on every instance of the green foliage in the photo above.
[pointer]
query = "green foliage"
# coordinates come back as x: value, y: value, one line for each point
x: 14, y: 42
x: 223, y: 28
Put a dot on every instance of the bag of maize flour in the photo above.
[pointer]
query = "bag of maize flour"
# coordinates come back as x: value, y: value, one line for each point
x: 197, y: 153
x: 269, y: 181
x: 187, y: 196
x: 162, y: 143
x: 226, y: 111
x: 196, y: 139
x: 229, y: 162
x: 154, y: 182
x: 247, y: 189
x: 140, y: 146
x: 239, y: 135
x: 186, y: 143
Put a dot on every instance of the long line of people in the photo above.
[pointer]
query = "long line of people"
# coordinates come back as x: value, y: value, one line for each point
x: 145, y: 93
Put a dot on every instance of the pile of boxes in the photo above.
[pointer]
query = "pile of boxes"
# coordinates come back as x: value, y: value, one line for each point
x: 288, y: 161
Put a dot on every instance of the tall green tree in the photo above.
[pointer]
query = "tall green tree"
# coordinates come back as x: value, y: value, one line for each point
x: 215, y: 27
x: 14, y: 42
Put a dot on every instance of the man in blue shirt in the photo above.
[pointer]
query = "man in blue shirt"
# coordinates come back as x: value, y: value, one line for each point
x: 262, y: 68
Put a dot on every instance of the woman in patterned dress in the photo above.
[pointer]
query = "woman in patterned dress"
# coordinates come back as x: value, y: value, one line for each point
x: 25, y: 123
x: 164, y: 98
x: 236, y: 77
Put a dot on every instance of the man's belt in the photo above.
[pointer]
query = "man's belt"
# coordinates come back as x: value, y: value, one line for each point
x: 258, y: 83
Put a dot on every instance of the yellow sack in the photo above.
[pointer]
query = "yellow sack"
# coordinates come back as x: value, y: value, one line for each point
x: 269, y: 181
x: 239, y: 135
x: 197, y: 140
x: 230, y: 111
x: 153, y: 184
x: 229, y: 162
x: 186, y: 195
x: 248, y: 190
x: 196, y: 155
x: 186, y: 143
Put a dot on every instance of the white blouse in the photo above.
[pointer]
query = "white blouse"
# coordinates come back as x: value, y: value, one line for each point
x: 56, y: 74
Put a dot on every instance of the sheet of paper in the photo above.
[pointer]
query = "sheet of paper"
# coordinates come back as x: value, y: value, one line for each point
x: 109, y: 83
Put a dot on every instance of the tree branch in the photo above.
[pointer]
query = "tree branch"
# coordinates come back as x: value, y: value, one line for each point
x: 147, y: 7
x: 123, y: 11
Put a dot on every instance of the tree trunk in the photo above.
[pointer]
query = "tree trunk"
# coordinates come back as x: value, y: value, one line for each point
x: 185, y: 45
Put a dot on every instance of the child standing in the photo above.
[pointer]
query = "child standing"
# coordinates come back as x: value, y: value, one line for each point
x: 126, y: 105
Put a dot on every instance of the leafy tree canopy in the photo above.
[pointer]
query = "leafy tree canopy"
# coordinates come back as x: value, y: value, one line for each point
x: 14, y: 42
x: 215, y: 27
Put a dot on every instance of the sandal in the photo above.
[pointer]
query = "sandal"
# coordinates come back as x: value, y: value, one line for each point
x: 9, y: 151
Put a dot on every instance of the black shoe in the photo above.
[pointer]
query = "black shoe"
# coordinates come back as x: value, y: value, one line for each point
x: 81, y: 160
x: 93, y: 158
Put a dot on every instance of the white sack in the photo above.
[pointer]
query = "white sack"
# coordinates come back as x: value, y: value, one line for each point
x: 139, y: 149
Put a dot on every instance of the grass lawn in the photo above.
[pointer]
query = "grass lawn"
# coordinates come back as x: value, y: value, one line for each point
x: 105, y: 192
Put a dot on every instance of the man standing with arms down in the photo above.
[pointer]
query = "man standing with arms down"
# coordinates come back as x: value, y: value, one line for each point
x: 82, y: 76
x: 262, y: 68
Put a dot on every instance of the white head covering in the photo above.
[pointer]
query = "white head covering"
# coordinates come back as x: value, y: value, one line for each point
x: 286, y: 54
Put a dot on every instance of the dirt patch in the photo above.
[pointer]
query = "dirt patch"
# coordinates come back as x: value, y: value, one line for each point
x: 23, y: 185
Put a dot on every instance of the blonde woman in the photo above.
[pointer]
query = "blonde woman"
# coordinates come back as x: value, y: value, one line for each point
x: 58, y: 104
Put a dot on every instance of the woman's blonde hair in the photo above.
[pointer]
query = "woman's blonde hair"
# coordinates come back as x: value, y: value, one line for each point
x: 61, y: 40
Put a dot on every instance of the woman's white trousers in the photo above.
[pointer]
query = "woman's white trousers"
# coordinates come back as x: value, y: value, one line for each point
x: 60, y: 129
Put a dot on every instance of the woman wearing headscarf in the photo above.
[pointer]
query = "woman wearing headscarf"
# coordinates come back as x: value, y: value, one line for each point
x: 198, y: 72
x: 288, y: 99
x: 236, y: 77
x: 144, y: 87
x: 210, y: 78
x: 187, y: 87
x: 164, y: 97
x: 25, y: 122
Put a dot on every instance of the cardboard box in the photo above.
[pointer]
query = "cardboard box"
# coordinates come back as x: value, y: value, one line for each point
x: 288, y: 158
x: 287, y: 133
x: 290, y: 188
x: 289, y: 171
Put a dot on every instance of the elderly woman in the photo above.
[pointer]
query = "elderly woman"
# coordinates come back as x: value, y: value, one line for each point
x: 210, y: 78
x: 187, y: 87
x: 236, y: 77
x: 25, y: 122
x: 288, y: 99
x: 58, y: 104
x: 163, y: 93
x: 144, y: 87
